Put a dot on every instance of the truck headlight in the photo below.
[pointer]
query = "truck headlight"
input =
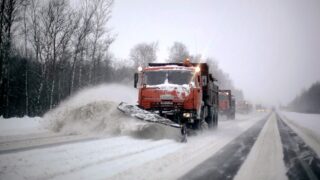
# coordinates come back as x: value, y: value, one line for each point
x: 187, y: 115
x: 198, y: 69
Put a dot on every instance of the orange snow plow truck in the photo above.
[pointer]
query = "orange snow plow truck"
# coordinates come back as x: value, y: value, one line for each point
x: 182, y: 95
x: 227, y: 104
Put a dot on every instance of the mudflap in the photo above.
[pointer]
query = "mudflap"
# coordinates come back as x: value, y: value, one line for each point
x: 140, y: 114
x: 184, y: 133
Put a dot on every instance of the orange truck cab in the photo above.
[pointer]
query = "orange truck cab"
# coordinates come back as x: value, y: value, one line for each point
x: 226, y: 103
x: 183, y: 92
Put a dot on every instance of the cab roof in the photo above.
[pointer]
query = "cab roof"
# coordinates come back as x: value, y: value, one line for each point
x: 169, y: 67
x: 179, y: 66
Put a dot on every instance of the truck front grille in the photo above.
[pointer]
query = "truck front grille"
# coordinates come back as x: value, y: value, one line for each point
x: 166, y: 104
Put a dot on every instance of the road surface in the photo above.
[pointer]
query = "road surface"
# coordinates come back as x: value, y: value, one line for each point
x: 255, y: 146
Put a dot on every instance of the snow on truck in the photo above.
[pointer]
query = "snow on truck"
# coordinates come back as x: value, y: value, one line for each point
x: 181, y: 95
x: 227, y: 104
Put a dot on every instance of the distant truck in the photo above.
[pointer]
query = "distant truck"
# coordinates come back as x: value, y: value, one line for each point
x: 185, y: 93
x: 244, y: 107
x: 260, y: 108
x: 227, y: 104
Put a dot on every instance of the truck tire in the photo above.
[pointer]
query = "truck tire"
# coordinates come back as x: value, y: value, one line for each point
x: 184, y: 133
x: 215, y: 119
x: 210, y: 119
x: 203, y: 125
x: 231, y: 115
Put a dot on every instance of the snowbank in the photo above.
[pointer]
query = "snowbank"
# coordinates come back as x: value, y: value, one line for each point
x: 309, y: 121
x: 94, y: 110
x: 20, y: 126
x: 306, y: 126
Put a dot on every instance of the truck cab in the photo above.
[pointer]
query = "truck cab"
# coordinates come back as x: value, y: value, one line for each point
x: 182, y: 92
x: 226, y: 104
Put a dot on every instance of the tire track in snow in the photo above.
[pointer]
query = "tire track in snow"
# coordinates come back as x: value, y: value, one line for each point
x: 198, y: 149
x: 114, y: 164
x: 47, y: 145
x: 301, y: 161
x: 103, y: 158
x: 226, y: 163
x: 31, y: 138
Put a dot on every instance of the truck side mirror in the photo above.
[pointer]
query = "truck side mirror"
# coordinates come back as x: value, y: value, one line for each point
x: 136, y: 77
x: 211, y: 77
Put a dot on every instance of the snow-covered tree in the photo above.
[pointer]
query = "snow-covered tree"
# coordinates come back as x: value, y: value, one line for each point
x: 144, y: 53
x: 178, y: 52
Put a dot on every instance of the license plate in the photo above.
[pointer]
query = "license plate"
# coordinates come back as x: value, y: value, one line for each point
x: 166, y: 97
x: 166, y: 103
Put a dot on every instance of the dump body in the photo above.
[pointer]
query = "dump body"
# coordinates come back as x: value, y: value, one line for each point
x: 184, y: 93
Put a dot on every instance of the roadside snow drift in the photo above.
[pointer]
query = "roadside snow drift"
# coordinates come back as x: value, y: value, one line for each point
x: 95, y: 110
x: 20, y: 126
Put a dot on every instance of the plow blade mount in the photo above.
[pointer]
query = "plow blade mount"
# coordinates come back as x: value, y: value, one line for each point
x: 144, y: 115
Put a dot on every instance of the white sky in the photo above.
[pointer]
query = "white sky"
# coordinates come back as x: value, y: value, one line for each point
x: 270, y: 48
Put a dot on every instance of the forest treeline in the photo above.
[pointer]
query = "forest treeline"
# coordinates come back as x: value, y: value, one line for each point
x: 50, y: 49
x: 308, y: 101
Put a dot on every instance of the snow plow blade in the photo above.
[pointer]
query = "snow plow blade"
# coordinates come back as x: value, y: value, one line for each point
x: 144, y: 115
x: 140, y: 114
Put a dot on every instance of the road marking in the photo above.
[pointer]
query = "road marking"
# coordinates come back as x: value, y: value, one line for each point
x: 265, y: 160
x: 225, y: 163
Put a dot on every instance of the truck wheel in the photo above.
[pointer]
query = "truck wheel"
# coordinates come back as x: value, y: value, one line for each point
x: 184, y: 133
x: 215, y: 121
x: 210, y: 118
x: 203, y: 125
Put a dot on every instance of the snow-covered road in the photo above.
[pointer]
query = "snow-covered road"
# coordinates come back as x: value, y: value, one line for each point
x: 117, y: 157
x: 48, y: 155
x: 86, y: 137
x: 265, y: 156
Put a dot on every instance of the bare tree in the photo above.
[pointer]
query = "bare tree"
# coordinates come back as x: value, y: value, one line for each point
x: 8, y: 13
x: 56, y: 28
x: 144, y: 53
x: 58, y: 47
x: 178, y: 52
x: 36, y: 40
x: 80, y: 37
x: 101, y: 37
x: 224, y: 80
x: 25, y: 4
x: 2, y: 36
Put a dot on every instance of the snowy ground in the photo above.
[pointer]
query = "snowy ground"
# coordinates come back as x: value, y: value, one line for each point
x: 307, y: 126
x: 86, y: 137
x: 20, y: 126
x: 309, y: 121
x: 115, y: 157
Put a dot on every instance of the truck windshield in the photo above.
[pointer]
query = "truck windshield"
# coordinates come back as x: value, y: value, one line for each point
x: 223, y: 97
x: 170, y: 76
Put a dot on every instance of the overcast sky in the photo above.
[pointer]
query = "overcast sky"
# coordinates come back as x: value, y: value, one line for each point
x: 270, y: 48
